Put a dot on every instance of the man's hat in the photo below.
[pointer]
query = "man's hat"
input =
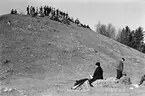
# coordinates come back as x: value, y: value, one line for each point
x: 98, y: 63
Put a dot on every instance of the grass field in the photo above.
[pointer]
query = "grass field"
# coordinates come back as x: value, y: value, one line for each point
x: 46, y: 57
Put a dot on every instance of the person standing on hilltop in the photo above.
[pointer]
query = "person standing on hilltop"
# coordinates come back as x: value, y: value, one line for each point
x: 120, y: 68
x: 98, y: 74
x: 28, y: 10
x: 15, y: 11
x: 12, y: 11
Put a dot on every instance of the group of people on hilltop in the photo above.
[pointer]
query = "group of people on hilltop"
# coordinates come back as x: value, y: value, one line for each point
x: 54, y: 14
x: 14, y: 11
x: 98, y: 74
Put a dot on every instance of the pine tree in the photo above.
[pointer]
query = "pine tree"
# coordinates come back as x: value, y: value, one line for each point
x: 138, y: 37
x: 124, y: 37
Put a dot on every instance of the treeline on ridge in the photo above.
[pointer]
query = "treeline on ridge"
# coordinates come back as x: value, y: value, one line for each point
x: 131, y: 38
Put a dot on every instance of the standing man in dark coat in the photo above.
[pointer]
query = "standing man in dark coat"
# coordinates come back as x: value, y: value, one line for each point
x: 28, y: 10
x: 98, y: 74
x: 120, y: 68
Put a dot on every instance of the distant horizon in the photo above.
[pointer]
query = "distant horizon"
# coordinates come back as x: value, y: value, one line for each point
x: 120, y: 13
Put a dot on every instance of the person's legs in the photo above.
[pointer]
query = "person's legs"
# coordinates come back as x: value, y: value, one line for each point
x: 119, y: 74
x: 76, y: 86
x: 142, y: 80
x: 91, y: 81
x: 79, y: 83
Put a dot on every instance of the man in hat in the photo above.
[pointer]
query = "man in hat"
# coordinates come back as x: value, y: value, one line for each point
x: 98, y: 74
x: 28, y: 10
x: 120, y: 68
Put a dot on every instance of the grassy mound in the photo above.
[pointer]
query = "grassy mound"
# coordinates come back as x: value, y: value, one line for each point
x: 42, y: 47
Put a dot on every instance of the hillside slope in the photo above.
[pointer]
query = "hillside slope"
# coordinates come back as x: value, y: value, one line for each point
x: 39, y: 47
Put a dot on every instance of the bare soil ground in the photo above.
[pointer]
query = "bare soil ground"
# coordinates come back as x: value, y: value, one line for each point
x: 46, y: 57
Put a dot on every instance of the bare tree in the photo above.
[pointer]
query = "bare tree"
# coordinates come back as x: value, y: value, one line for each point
x: 111, y: 31
x: 106, y: 30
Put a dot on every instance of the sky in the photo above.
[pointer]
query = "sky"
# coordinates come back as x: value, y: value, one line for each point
x: 118, y: 12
